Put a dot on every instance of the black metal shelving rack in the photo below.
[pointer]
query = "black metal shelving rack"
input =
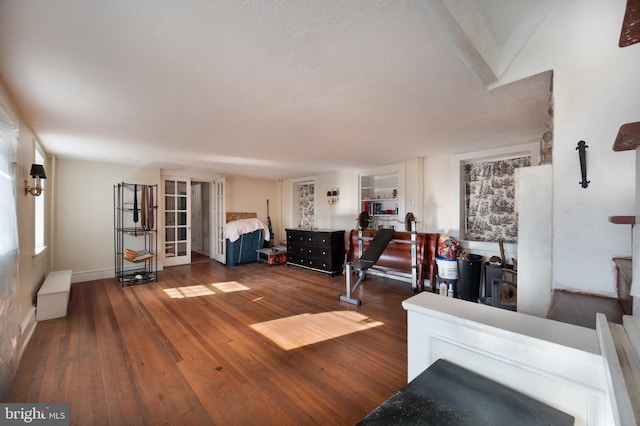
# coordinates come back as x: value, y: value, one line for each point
x: 135, y: 231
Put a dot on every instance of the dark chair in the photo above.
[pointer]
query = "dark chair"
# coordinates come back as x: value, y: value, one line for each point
x: 504, y: 291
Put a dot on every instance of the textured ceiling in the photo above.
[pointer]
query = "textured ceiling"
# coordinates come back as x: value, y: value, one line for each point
x: 257, y: 87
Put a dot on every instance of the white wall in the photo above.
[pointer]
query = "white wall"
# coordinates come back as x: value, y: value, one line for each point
x: 83, y: 214
x: 414, y: 191
x: 343, y: 214
x: 595, y: 86
x: 595, y: 92
x: 441, y: 195
x: 83, y: 211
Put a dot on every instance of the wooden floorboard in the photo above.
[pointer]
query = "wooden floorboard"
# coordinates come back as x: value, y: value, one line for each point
x: 211, y: 344
x: 580, y: 309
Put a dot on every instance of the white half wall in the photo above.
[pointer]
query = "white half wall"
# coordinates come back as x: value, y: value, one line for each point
x: 535, y: 210
x: 555, y: 363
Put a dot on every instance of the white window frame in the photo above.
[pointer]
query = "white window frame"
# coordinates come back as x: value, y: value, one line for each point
x: 39, y: 210
x: 294, y: 213
x: 531, y: 149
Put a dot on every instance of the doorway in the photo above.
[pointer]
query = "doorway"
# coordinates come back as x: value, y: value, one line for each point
x: 194, y: 212
x: 200, y: 221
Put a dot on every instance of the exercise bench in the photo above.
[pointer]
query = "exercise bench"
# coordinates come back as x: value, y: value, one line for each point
x: 369, y: 257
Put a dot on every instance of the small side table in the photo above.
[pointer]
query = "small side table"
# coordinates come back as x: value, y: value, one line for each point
x: 273, y: 255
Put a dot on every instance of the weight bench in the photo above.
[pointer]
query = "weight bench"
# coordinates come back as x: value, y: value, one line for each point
x: 369, y: 257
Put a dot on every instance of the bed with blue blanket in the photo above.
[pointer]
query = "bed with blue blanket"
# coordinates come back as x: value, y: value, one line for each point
x: 244, y: 234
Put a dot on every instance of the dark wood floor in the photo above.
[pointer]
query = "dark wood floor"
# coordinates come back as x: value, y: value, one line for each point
x: 580, y: 309
x: 210, y: 344
x: 197, y: 257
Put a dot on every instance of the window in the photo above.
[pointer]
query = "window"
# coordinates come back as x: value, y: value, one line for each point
x: 303, y: 203
x: 39, y: 242
x: 487, y: 192
x: 490, y: 188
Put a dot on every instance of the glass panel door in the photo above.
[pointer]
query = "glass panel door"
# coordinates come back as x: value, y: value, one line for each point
x: 219, y: 212
x: 177, y: 221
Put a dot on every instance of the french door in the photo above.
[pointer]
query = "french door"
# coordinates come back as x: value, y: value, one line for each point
x: 177, y: 221
x: 219, y: 220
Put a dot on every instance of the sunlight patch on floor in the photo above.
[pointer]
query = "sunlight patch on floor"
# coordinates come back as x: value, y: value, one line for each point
x: 188, y: 291
x: 307, y: 329
x: 204, y: 290
x: 230, y: 286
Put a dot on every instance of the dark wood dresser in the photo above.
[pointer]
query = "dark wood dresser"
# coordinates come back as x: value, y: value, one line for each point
x: 319, y: 249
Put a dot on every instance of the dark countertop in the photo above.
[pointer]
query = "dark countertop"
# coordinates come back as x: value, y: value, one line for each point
x: 446, y: 394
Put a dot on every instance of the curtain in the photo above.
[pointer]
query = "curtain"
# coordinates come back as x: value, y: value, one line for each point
x: 490, y: 199
x: 306, y: 205
x: 10, y: 331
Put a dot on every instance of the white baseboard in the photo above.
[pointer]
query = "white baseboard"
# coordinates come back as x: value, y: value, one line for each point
x: 28, y: 326
x: 91, y: 275
x: 98, y: 274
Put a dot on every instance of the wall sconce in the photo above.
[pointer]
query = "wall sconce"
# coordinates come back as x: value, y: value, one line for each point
x: 37, y: 172
x: 332, y: 197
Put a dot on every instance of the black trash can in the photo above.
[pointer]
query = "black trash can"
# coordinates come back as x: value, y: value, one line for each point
x: 491, y: 272
x: 469, y: 273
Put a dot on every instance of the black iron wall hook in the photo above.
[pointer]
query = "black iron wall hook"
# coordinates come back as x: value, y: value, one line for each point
x: 582, y: 153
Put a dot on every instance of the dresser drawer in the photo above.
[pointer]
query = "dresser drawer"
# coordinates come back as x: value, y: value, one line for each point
x: 306, y: 239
